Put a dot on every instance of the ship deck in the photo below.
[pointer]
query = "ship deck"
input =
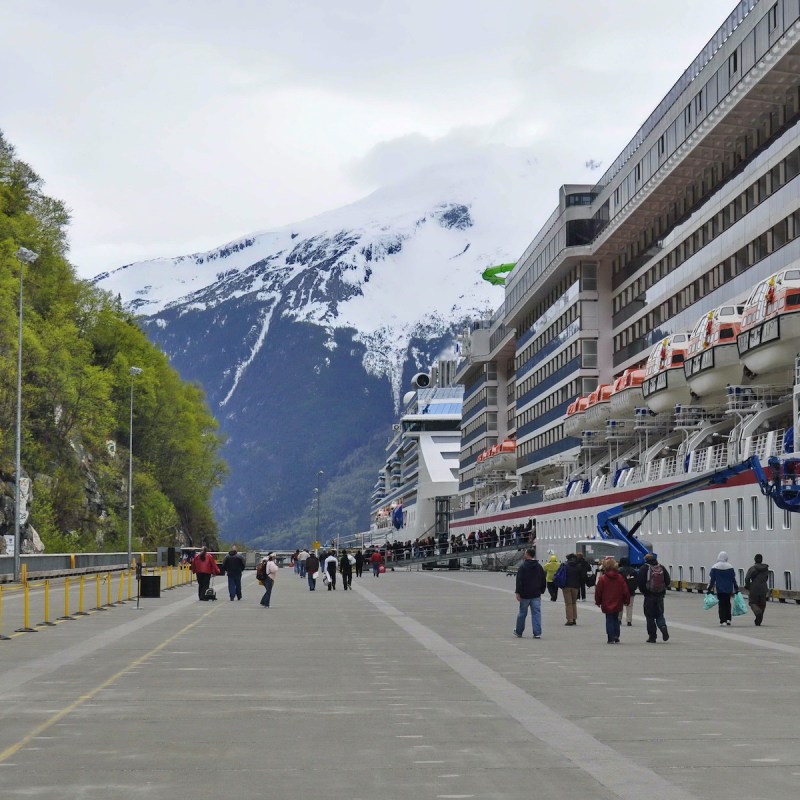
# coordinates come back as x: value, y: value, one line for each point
x: 410, y: 686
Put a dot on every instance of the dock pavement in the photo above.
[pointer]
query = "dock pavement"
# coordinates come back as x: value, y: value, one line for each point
x: 410, y: 687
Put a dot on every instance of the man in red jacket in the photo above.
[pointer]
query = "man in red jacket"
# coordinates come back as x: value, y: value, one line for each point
x: 204, y: 566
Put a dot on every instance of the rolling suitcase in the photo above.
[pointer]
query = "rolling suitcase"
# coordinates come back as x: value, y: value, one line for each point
x: 210, y: 593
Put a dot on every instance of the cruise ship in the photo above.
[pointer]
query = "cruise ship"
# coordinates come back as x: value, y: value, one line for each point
x: 648, y: 333
x: 417, y: 487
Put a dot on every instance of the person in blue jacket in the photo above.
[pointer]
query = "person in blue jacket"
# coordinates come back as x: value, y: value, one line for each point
x: 723, y: 578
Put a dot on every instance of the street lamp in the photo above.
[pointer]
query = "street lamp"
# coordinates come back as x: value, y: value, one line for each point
x: 133, y: 372
x: 320, y: 473
x: 24, y: 256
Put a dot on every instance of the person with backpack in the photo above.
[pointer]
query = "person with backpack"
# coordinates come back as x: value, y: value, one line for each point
x: 722, y: 577
x: 629, y: 573
x: 612, y: 595
x: 270, y: 573
x: 550, y: 569
x: 653, y: 581
x: 233, y: 567
x: 757, y: 584
x: 531, y: 584
x: 204, y: 566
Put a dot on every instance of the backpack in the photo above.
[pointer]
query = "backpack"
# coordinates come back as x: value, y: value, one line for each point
x: 630, y: 579
x: 656, y: 583
x: 261, y: 571
x: 560, y: 578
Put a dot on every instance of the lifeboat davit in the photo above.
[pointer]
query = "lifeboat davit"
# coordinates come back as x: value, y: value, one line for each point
x: 665, y: 384
x: 626, y: 393
x: 575, y: 419
x: 712, y: 360
x: 769, y: 337
x: 598, y: 407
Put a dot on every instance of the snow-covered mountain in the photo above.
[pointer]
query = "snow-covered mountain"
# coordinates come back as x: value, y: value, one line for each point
x: 303, y: 336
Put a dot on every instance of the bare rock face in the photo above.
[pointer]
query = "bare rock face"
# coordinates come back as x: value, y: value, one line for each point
x: 31, y: 543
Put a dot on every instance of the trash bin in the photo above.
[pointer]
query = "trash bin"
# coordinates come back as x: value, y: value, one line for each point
x: 150, y: 586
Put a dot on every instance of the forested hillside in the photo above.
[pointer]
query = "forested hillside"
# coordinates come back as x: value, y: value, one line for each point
x: 78, y: 347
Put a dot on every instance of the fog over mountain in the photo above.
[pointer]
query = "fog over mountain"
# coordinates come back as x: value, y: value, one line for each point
x: 304, y: 337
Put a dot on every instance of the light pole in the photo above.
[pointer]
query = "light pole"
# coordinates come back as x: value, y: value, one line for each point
x: 133, y: 372
x: 24, y: 256
x: 320, y: 473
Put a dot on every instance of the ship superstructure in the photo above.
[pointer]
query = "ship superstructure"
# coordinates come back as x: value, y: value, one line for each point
x: 647, y: 332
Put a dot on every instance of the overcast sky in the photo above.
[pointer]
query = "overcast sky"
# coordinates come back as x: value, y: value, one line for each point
x: 171, y: 126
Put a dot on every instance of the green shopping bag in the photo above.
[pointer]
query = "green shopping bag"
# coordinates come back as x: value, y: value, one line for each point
x: 739, y: 606
x: 709, y: 601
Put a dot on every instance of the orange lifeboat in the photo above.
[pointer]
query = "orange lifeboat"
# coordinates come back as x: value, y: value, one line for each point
x: 575, y: 419
x: 769, y: 337
x: 598, y: 407
x: 665, y: 384
x: 502, y: 456
x: 712, y: 360
x: 626, y: 393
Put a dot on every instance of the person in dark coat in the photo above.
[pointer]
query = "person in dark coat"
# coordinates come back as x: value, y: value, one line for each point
x: 584, y: 571
x: 757, y: 584
x: 346, y: 569
x: 531, y: 584
x: 653, y: 600
x: 312, y: 570
x: 570, y: 591
x: 629, y: 573
x: 612, y: 595
x: 722, y: 577
x: 233, y: 567
x: 359, y: 563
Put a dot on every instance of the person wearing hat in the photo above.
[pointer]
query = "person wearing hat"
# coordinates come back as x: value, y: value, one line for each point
x: 653, y: 581
x: 270, y: 572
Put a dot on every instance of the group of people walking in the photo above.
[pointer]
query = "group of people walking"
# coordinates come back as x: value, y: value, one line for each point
x: 616, y: 584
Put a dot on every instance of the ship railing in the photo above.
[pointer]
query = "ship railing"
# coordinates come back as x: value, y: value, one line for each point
x: 693, y: 417
x: 749, y: 399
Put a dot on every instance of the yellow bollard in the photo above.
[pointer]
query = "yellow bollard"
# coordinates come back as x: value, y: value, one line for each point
x: 108, y: 589
x: 130, y: 584
x: 26, y: 613
x: 66, y: 600
x: 80, y: 612
x: 23, y: 574
x: 47, y: 605
x: 99, y: 606
x: 120, y: 601
x: 1, y: 616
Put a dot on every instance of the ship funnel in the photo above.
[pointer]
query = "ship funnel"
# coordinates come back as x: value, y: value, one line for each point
x: 421, y: 380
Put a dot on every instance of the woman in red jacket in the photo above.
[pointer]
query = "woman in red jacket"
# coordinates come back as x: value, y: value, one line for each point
x: 611, y: 594
x: 204, y: 566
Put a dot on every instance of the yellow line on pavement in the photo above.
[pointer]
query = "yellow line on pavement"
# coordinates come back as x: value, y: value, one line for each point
x: 59, y: 715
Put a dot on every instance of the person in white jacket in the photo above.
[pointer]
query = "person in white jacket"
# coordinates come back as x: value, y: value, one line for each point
x: 330, y: 567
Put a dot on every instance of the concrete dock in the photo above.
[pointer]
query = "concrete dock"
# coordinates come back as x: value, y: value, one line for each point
x: 410, y: 687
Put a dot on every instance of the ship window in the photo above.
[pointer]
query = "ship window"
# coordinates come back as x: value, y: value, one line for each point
x: 787, y: 580
x: 702, y: 574
x: 770, y: 516
x: 680, y: 519
x: 739, y: 513
x: 669, y: 519
x: 689, y: 518
x: 701, y: 517
x: 754, y: 509
x: 733, y: 63
x: 713, y: 516
x: 787, y: 520
x: 661, y: 522
x: 727, y: 515
x: 691, y: 574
